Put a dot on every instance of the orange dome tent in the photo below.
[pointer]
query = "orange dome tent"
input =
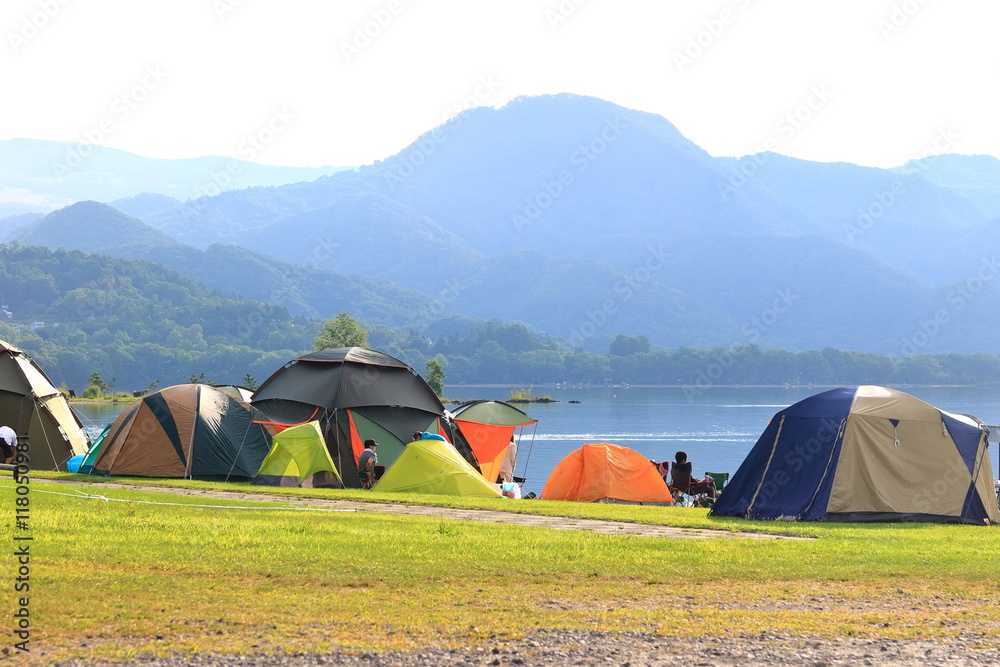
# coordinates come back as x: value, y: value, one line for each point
x: 609, y: 474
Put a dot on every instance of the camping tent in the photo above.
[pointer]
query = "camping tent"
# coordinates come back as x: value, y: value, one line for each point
x: 38, y: 412
x: 188, y: 430
x: 299, y: 457
x: 865, y: 454
x: 488, y: 427
x: 236, y: 390
x: 430, y: 465
x: 87, y: 465
x: 606, y: 473
x: 355, y: 394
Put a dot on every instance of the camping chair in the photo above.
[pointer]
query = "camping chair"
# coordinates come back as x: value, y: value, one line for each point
x: 692, y: 496
x: 720, y: 479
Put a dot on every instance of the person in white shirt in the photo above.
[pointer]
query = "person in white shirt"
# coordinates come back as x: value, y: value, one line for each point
x: 8, y: 443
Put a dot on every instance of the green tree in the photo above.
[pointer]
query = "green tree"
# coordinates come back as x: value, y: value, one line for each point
x: 249, y: 381
x: 623, y: 346
x: 200, y: 379
x: 96, y: 381
x: 435, y: 376
x: 341, y: 331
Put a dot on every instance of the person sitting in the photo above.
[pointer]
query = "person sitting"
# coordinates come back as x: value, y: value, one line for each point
x: 507, y: 465
x: 366, y: 465
x: 681, y: 480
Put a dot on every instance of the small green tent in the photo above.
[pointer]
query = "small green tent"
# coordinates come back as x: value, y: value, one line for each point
x: 434, y: 466
x: 299, y: 457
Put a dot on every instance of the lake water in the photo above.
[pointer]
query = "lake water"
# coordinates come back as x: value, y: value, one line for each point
x: 716, y: 427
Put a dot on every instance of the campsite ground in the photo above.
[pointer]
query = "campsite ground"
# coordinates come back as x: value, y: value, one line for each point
x: 559, y: 648
x: 856, y: 595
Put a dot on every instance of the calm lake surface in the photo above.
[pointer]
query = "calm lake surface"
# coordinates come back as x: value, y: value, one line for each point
x: 716, y: 427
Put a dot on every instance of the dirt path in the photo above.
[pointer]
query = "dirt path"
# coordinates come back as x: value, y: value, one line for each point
x: 485, y: 516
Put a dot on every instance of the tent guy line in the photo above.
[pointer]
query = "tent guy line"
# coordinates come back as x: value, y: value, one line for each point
x: 91, y: 496
x: 599, y: 526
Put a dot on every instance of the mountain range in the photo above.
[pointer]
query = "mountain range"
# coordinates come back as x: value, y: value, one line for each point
x: 39, y: 176
x: 584, y: 219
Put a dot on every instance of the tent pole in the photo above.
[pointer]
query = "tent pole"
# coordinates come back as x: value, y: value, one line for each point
x: 336, y: 436
x: 763, y: 475
x: 240, y: 450
x: 530, y: 446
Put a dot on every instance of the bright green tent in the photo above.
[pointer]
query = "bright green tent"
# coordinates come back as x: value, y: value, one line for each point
x: 299, y: 457
x: 434, y: 466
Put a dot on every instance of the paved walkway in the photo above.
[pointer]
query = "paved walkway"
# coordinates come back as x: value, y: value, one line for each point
x: 485, y: 516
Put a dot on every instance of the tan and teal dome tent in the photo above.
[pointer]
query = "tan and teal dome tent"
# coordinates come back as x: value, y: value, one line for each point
x: 185, y: 431
x: 39, y: 414
x: 434, y: 466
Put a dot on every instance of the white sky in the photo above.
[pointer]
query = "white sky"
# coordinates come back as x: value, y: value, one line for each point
x: 887, y: 80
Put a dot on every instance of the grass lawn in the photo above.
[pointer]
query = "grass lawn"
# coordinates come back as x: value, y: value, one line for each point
x: 114, y: 579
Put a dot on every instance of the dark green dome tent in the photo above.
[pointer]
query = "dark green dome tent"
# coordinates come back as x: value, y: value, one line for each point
x: 356, y: 394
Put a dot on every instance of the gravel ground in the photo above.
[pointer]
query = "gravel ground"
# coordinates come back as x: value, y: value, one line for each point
x: 569, y: 647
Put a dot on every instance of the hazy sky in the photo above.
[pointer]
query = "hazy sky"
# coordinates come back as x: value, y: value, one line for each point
x: 339, y: 82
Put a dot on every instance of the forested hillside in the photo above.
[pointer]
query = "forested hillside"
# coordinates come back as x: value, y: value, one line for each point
x: 139, y: 324
x: 135, y: 321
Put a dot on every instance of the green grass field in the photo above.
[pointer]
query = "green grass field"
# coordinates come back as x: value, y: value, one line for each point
x: 115, y: 579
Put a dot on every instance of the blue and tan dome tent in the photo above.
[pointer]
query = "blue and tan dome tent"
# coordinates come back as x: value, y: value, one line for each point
x: 39, y: 414
x: 865, y: 453
x: 356, y: 394
x: 184, y: 431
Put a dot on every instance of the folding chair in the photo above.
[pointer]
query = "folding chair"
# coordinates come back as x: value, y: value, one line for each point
x: 720, y: 479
